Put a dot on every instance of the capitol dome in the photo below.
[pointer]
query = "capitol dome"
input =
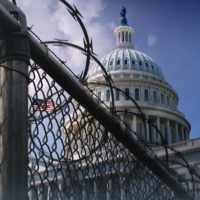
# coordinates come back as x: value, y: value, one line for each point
x: 139, y: 76
x: 125, y: 57
x: 128, y: 59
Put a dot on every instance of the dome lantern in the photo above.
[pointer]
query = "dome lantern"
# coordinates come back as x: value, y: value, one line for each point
x: 124, y: 32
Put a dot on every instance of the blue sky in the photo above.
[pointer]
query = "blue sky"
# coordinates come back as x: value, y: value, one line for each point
x: 166, y: 30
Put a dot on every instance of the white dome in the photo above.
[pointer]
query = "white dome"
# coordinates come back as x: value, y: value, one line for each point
x: 124, y: 58
x: 136, y: 73
x: 127, y: 59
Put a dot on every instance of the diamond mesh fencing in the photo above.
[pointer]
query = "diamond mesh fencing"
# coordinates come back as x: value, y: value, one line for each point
x: 72, y: 152
x: 72, y: 156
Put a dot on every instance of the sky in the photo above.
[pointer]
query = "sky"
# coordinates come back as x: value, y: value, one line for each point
x: 166, y: 30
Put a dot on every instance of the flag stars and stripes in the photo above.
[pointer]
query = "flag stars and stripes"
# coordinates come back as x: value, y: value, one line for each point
x: 42, y: 105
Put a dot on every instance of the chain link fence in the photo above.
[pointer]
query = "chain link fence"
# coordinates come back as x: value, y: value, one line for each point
x: 74, y: 152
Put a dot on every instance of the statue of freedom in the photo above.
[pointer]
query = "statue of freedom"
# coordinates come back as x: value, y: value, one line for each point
x: 123, y: 14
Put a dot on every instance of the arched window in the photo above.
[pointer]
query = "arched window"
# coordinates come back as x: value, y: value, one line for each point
x: 119, y: 38
x: 99, y: 95
x: 127, y: 94
x: 136, y: 94
x: 117, y: 94
x: 111, y: 62
x: 167, y: 100
x: 129, y: 37
x: 146, y: 95
x: 162, y: 98
x: 118, y: 62
x: 108, y: 95
x: 133, y: 62
x: 125, y: 61
x: 140, y: 63
x: 154, y: 97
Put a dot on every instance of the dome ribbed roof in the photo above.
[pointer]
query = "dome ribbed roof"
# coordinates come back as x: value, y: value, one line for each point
x: 127, y: 59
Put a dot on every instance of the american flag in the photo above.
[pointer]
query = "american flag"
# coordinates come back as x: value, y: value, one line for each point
x: 42, y: 105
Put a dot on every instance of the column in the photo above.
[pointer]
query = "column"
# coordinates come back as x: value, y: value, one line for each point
x: 122, y: 192
x: 142, y: 132
x: 40, y: 192
x: 84, y: 194
x: 154, y: 133
x: 120, y: 36
x: 182, y: 133
x: 79, y: 138
x: 30, y: 194
x: 130, y: 37
x: 142, y: 93
x: 49, y: 193
x: 132, y: 91
x: 147, y: 129
x: 95, y: 190
x: 122, y: 119
x: 169, y: 132
x: 109, y: 189
x: 134, y: 126
x: 158, y: 127
x: 31, y: 189
x: 150, y: 95
x: 163, y: 130
x: 187, y: 134
x: 176, y: 132
x: 62, y: 194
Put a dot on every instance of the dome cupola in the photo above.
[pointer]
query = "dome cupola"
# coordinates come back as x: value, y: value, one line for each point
x: 124, y: 33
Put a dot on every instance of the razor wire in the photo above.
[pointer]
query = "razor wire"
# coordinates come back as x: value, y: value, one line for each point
x: 72, y: 156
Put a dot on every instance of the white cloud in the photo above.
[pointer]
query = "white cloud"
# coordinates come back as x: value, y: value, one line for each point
x: 151, y: 39
x: 112, y: 26
x: 56, y: 22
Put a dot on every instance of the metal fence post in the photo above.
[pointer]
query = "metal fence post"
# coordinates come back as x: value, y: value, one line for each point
x: 14, y: 59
